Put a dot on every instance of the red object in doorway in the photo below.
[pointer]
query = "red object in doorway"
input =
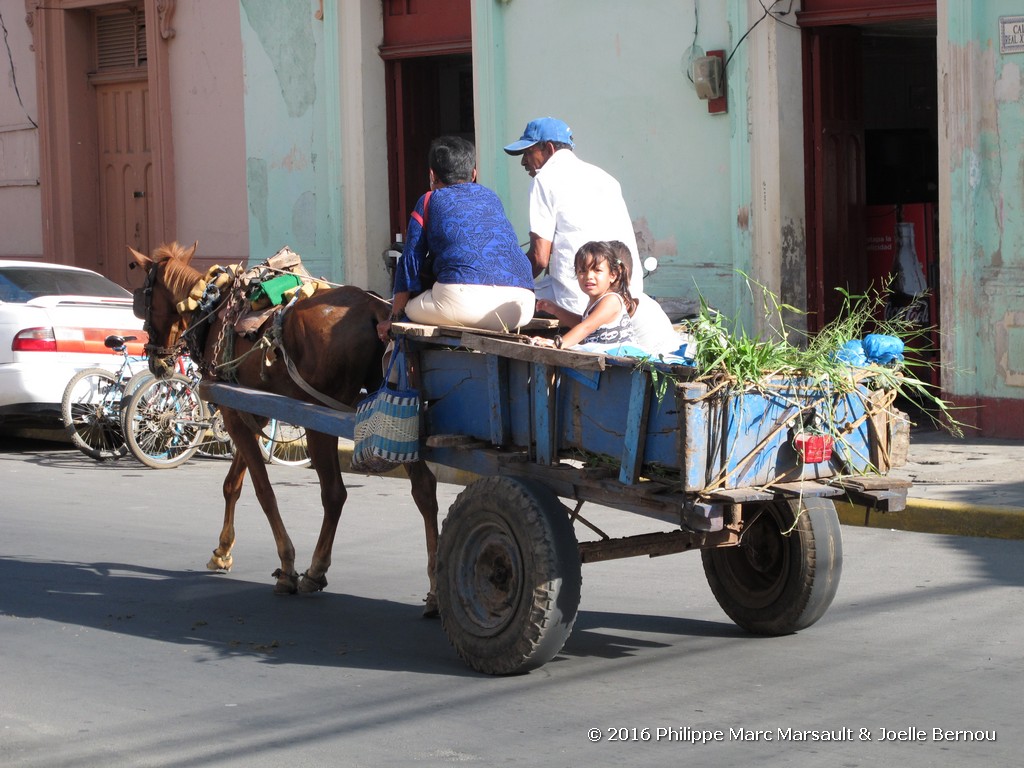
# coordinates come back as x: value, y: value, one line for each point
x: 882, y: 246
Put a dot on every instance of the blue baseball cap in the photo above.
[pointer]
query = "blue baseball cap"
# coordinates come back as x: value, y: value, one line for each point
x: 541, y: 129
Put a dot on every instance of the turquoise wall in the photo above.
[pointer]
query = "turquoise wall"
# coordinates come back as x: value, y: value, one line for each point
x: 984, y: 292
x: 616, y: 73
x: 291, y: 184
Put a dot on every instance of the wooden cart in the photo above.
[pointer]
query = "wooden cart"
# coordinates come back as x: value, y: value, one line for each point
x: 548, y: 430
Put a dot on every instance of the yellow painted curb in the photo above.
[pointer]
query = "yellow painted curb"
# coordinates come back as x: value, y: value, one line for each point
x: 946, y: 517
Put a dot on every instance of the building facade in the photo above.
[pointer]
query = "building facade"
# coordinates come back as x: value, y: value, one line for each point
x: 256, y: 124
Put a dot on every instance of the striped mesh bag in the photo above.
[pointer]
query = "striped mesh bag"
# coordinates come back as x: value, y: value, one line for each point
x: 387, y: 430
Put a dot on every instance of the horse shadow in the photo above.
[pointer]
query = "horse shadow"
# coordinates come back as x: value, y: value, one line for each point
x: 225, y: 617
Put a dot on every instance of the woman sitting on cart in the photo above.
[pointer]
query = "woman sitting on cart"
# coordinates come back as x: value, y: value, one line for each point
x: 462, y: 264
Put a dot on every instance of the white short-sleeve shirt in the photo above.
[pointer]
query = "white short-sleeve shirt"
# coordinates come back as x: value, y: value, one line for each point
x: 572, y: 203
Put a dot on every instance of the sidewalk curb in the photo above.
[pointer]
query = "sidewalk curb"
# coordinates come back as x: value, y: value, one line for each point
x: 943, y: 517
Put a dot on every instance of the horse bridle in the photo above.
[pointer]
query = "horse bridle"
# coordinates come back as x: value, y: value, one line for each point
x: 142, y: 308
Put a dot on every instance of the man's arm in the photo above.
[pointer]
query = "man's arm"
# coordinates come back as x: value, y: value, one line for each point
x: 539, y: 253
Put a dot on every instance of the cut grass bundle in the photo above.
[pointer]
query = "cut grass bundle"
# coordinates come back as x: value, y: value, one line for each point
x: 737, y: 361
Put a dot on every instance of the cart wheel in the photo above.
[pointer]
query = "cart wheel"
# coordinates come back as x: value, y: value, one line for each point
x: 775, y: 583
x: 508, y: 575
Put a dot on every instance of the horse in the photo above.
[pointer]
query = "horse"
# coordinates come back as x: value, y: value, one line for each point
x: 330, y: 339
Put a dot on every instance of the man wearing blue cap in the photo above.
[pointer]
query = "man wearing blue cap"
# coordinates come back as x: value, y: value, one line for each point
x: 571, y: 203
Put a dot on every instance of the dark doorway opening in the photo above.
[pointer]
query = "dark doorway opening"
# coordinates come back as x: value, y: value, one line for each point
x: 429, y: 96
x: 871, y: 93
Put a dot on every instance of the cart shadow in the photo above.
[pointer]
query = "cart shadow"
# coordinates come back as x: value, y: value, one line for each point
x: 609, y: 635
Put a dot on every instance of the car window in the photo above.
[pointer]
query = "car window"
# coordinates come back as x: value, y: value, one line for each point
x: 22, y: 284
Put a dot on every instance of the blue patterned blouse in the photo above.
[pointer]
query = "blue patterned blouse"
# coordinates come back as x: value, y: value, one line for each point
x: 466, y: 240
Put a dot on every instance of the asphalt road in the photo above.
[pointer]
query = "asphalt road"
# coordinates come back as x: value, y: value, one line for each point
x: 118, y: 648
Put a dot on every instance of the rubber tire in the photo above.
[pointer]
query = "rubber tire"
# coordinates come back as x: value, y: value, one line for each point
x: 165, y: 421
x: 286, y: 444
x: 508, y: 575
x: 775, y: 583
x: 130, y: 388
x: 94, y: 425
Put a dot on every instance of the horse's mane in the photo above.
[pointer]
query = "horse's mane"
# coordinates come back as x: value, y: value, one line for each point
x: 179, y: 276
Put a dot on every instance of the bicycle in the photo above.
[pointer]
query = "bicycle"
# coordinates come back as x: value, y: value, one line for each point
x: 284, y: 444
x: 91, y: 406
x: 166, y: 422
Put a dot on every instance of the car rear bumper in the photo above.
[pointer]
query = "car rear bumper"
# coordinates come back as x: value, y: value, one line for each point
x: 37, y: 387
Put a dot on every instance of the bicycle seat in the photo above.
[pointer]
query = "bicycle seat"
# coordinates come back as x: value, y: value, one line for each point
x: 116, y: 342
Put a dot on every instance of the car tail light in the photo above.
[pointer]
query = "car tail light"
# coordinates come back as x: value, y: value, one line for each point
x: 34, y: 340
x: 82, y: 340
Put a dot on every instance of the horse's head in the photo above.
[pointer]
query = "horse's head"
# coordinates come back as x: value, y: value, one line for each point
x: 168, y: 280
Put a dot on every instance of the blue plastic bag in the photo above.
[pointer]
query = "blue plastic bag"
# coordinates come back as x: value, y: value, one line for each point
x: 852, y: 353
x: 882, y: 349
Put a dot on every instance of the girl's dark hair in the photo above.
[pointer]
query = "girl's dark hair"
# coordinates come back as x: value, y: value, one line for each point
x: 595, y: 252
x: 452, y: 159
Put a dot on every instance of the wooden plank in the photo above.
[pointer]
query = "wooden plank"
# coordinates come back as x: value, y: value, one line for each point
x: 544, y: 415
x: 738, y: 495
x: 318, y: 418
x: 517, y: 350
x: 805, y: 489
x: 500, y: 406
x: 871, y: 482
x: 424, y: 331
x: 636, y: 427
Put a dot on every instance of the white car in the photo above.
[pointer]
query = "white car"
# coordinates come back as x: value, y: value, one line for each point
x: 53, y: 322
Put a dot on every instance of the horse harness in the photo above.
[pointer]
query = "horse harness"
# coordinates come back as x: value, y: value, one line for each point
x: 223, y: 292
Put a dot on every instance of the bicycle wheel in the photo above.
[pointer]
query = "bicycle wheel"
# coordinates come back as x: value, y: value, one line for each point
x: 165, y: 421
x: 284, y: 444
x: 91, y: 410
x: 215, y: 442
x: 130, y: 388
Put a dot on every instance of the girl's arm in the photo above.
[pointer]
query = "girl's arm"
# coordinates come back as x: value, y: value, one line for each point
x: 565, y: 317
x: 605, y: 312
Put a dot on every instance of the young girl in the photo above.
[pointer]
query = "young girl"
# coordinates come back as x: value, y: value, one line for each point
x: 605, y: 323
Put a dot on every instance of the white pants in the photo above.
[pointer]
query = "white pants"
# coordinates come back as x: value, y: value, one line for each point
x: 490, y: 307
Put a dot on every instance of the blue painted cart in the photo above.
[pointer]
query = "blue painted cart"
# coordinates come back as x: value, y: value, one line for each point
x: 548, y: 430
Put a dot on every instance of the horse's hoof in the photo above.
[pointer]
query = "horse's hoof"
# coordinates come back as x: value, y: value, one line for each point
x: 309, y: 584
x: 287, y: 583
x: 218, y: 563
x: 430, y: 610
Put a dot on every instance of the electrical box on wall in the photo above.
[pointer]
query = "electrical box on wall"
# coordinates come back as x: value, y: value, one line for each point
x: 707, y: 77
x: 708, y: 73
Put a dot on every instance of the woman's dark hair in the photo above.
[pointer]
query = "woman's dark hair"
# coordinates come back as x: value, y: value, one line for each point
x: 596, y: 251
x: 452, y: 159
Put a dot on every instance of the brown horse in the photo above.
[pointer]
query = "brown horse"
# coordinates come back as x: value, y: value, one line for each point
x: 331, y: 338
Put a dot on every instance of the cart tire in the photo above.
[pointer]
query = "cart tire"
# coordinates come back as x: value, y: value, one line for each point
x: 508, y: 575
x: 774, y: 582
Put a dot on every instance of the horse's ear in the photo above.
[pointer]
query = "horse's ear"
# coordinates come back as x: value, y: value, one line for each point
x: 140, y: 258
x: 187, y: 256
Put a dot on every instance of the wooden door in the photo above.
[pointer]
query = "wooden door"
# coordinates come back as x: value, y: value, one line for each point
x: 125, y: 176
x: 835, y: 153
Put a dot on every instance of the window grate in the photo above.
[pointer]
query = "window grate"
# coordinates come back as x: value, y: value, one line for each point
x: 120, y: 40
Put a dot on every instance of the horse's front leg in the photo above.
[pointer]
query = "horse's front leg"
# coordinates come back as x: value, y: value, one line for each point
x: 323, y: 455
x: 222, y: 559
x: 424, y: 494
x: 247, y: 451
